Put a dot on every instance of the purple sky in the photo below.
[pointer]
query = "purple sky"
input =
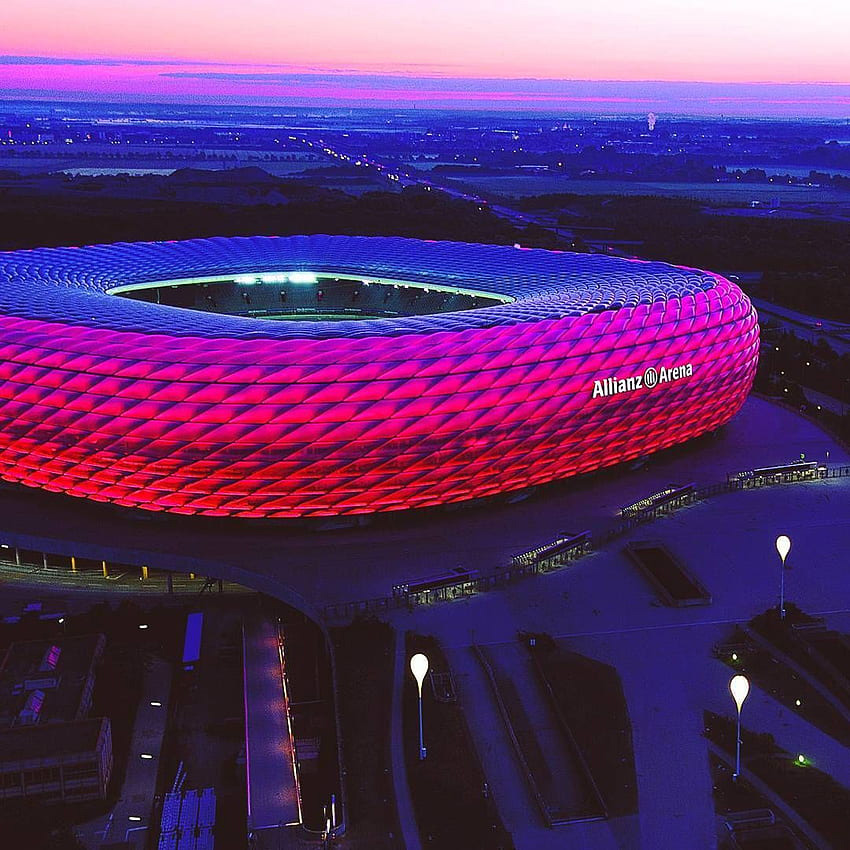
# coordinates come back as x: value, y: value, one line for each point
x: 438, y: 53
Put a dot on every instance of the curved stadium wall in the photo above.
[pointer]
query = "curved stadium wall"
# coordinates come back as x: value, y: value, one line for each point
x: 575, y: 362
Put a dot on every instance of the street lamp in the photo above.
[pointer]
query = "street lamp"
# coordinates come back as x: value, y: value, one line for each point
x: 783, y: 546
x: 740, y: 687
x: 419, y: 667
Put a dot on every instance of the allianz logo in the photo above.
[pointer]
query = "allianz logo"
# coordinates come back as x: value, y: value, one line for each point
x: 651, y: 377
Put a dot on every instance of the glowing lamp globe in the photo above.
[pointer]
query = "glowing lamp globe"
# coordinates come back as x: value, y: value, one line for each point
x: 740, y: 687
x: 419, y: 667
x: 783, y: 546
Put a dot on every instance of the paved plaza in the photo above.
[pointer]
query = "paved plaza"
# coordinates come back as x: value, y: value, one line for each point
x: 129, y: 820
x: 313, y: 569
x: 601, y: 607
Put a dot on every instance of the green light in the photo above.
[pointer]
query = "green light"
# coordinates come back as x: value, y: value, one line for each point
x: 801, y: 759
x: 300, y: 276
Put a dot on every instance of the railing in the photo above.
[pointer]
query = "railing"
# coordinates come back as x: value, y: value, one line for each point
x: 130, y: 581
x: 533, y: 786
x: 38, y: 567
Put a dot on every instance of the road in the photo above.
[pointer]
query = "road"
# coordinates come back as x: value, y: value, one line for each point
x: 399, y: 176
x: 808, y: 327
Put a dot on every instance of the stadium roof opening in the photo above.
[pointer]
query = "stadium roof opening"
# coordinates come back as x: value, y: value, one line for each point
x: 305, y: 295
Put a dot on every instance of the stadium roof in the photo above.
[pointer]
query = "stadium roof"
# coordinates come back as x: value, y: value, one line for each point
x: 70, y: 284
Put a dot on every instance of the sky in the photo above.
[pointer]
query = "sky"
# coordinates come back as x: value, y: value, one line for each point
x: 432, y: 52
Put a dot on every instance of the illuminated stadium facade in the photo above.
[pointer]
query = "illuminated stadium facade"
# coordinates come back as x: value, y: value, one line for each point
x: 428, y: 373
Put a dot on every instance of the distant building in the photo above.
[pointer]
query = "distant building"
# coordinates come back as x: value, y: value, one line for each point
x: 49, y: 748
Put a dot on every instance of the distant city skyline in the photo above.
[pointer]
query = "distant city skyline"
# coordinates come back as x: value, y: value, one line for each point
x: 539, y: 54
x: 212, y: 84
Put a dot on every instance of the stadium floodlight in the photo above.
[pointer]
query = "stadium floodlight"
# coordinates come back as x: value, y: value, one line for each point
x: 303, y: 277
x: 783, y: 547
x: 740, y: 687
x: 419, y: 667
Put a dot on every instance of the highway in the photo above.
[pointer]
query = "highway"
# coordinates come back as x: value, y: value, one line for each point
x: 399, y: 176
x: 835, y: 333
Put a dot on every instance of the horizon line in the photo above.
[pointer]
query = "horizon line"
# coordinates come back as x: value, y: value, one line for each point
x: 376, y: 70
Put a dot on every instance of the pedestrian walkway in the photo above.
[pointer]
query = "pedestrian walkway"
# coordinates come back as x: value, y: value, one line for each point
x: 508, y: 785
x: 600, y: 606
x: 273, y: 796
x: 130, y: 819
x: 305, y: 567
x: 93, y: 583
x: 565, y: 791
x: 665, y: 699
x: 404, y: 805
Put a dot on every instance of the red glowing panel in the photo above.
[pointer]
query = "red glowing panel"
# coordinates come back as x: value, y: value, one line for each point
x: 172, y: 410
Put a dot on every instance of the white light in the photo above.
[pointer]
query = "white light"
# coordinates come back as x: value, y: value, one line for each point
x: 143, y: 625
x: 156, y: 704
x: 146, y: 756
x: 740, y: 687
x: 134, y: 818
x: 302, y: 277
x: 783, y: 546
x: 419, y: 667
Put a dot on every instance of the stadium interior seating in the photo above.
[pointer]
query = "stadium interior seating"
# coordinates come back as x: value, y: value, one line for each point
x: 327, y: 298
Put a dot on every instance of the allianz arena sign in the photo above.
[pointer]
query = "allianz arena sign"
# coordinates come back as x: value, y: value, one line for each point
x: 650, y: 378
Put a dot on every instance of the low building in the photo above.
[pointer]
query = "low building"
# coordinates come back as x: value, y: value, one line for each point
x: 56, y: 762
x: 50, y: 749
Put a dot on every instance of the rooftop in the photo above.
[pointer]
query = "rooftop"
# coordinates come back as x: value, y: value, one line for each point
x: 44, y: 681
x: 51, y: 740
x: 71, y: 283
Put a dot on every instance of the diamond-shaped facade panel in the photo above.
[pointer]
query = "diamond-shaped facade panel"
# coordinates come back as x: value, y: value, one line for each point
x: 554, y: 364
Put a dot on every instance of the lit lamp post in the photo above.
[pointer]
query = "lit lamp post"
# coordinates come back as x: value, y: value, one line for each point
x: 783, y: 546
x: 740, y: 687
x: 419, y: 667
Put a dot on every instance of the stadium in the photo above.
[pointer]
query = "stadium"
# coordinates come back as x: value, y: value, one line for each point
x: 331, y: 375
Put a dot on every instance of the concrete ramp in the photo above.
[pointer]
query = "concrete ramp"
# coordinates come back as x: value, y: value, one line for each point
x: 273, y: 795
